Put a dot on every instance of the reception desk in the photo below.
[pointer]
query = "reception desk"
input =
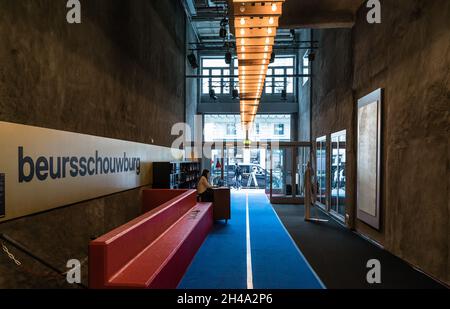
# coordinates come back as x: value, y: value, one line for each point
x: 222, y: 204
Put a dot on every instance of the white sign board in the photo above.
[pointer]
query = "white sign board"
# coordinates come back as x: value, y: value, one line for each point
x: 41, y: 169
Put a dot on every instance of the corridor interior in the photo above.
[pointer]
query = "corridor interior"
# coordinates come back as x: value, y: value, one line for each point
x: 284, y: 102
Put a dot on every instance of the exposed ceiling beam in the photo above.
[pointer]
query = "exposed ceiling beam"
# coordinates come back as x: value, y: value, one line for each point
x: 319, y: 20
x: 320, y: 13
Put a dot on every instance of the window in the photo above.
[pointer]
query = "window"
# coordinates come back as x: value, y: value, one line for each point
x: 216, y: 71
x: 281, y: 67
x: 279, y: 129
x: 279, y: 81
x: 228, y: 127
x: 236, y: 73
x: 321, y: 170
x: 269, y: 82
x: 231, y: 129
x: 216, y: 82
x: 257, y: 129
x: 305, y: 67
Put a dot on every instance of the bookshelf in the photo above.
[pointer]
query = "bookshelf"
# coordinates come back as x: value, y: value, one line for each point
x: 176, y: 175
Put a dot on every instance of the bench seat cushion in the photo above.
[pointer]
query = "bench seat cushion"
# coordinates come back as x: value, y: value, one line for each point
x: 163, y: 263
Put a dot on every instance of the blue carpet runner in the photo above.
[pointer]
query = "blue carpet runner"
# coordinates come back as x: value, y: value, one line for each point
x: 221, y: 261
x: 276, y: 262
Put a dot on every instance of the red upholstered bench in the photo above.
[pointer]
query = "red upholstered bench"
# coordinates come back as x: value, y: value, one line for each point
x: 155, y: 249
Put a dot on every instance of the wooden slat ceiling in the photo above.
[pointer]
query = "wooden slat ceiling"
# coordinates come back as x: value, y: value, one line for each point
x: 255, y: 25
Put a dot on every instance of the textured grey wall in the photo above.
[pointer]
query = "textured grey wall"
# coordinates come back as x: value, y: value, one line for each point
x: 119, y: 74
x: 304, y: 96
x: 191, y: 83
x: 409, y: 56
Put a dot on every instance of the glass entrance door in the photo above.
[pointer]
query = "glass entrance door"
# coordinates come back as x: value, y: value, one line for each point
x: 217, y: 167
x: 233, y: 157
x: 321, y: 171
x: 338, y: 174
x: 251, y: 163
x: 282, y: 166
x: 287, y: 172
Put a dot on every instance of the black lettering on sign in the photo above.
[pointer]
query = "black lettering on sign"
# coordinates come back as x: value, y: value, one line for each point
x: 2, y: 195
x: 43, y: 168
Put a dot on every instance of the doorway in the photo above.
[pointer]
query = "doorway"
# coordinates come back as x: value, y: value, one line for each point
x: 321, y: 172
x: 331, y: 160
x: 338, y: 174
x: 287, y: 165
x: 250, y: 162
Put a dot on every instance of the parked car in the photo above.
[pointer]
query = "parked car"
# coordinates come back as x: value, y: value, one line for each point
x: 262, y: 176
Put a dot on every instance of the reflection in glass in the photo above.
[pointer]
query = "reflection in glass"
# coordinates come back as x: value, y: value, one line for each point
x: 321, y: 167
x: 282, y: 172
x: 338, y: 176
x: 302, y: 163
x: 277, y: 165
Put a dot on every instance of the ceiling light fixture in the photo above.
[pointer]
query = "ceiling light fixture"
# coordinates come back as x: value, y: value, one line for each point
x: 252, y: 19
x: 228, y: 58
x: 192, y: 60
x: 223, y: 28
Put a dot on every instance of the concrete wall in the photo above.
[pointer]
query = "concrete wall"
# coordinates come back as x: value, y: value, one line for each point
x: 409, y: 56
x: 191, y: 83
x: 119, y: 74
x: 304, y: 95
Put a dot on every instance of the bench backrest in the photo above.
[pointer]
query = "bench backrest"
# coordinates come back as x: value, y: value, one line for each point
x: 112, y: 251
x: 153, y: 198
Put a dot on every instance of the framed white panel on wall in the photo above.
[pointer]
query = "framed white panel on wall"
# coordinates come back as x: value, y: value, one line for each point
x: 42, y: 169
x: 369, y: 140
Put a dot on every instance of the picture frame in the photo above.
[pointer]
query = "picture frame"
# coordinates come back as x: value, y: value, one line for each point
x: 369, y: 141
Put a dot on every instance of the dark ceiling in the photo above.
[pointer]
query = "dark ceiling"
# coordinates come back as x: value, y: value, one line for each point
x: 206, y: 17
x: 319, y: 13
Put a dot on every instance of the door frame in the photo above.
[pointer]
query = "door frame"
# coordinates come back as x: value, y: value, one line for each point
x: 294, y: 199
x: 334, y: 213
x: 323, y: 138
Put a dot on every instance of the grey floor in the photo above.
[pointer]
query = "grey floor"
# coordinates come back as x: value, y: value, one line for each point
x: 339, y: 256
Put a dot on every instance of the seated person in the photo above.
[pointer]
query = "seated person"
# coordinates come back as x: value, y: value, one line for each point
x: 204, y: 189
